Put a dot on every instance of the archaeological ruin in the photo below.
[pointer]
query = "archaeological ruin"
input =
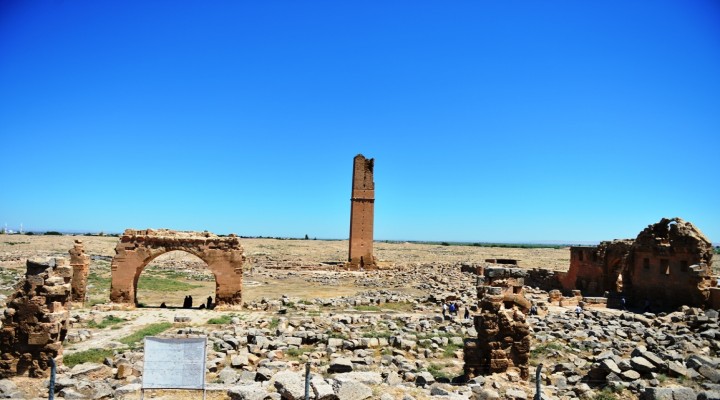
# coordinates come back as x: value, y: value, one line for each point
x: 35, y: 321
x: 503, y: 335
x: 80, y: 263
x: 362, y: 205
x: 667, y: 265
x: 137, y: 248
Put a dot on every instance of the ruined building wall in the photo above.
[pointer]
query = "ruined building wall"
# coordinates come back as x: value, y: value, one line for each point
x: 80, y: 263
x: 35, y: 322
x: 137, y: 248
x: 668, y: 264
x: 595, y: 269
x: 362, y: 204
x: 671, y: 265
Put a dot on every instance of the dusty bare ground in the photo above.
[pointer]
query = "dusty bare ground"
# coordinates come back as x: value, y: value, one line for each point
x: 295, y: 255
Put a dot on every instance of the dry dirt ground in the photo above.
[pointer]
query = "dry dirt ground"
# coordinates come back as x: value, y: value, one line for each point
x: 195, y: 279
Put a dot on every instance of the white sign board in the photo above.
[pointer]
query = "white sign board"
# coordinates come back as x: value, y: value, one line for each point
x: 174, y: 363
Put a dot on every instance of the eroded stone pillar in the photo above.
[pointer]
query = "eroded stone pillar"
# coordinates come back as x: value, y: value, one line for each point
x: 503, y: 335
x: 80, y: 263
x: 35, y: 322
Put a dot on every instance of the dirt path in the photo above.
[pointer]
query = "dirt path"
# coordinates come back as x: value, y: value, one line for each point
x: 102, y: 338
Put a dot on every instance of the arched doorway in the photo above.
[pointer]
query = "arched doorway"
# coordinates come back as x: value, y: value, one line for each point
x: 137, y: 248
x: 170, y: 277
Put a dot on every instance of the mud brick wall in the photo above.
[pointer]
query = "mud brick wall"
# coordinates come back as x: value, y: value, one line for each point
x: 669, y: 264
x: 35, y: 321
x: 80, y: 263
x: 362, y: 209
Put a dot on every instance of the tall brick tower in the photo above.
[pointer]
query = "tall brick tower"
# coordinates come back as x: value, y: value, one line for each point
x: 362, y: 204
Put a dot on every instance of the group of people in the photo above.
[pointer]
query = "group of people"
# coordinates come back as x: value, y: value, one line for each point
x: 187, y: 303
x: 452, y: 308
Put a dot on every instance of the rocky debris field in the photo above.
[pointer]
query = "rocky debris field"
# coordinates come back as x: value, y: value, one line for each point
x: 388, y: 345
x: 376, y: 335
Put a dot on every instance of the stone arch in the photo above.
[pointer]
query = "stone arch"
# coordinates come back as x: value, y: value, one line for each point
x: 180, y: 259
x: 137, y: 248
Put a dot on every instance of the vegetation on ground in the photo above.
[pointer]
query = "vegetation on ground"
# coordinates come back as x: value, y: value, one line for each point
x: 158, y: 284
x: 148, y: 330
x: 274, y: 323
x: 545, y: 349
x: 439, y: 371
x: 296, y: 352
x: 222, y: 320
x: 450, y: 350
x: 338, y: 335
x: 92, y: 355
x: 386, y: 306
x: 605, y: 394
x: 109, y: 320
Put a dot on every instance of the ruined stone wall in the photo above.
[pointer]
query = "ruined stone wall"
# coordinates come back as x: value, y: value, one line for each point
x: 80, y: 263
x: 362, y: 204
x: 595, y: 269
x: 503, y: 340
x: 543, y: 279
x: 35, y: 321
x: 671, y: 265
x: 668, y: 264
x: 137, y: 248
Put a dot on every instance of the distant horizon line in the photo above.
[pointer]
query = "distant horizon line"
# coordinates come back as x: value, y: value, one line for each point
x: 551, y: 242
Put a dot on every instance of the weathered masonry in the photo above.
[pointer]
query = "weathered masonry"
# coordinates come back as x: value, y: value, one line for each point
x: 35, y: 322
x: 503, y: 335
x: 668, y: 264
x: 362, y: 205
x: 137, y: 248
x: 80, y: 263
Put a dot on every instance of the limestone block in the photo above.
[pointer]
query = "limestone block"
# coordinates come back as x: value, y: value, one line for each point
x: 64, y: 271
x: 38, y: 338
x: 54, y: 281
x: 60, y: 290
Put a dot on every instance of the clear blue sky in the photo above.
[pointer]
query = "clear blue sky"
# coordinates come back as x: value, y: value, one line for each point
x: 488, y: 120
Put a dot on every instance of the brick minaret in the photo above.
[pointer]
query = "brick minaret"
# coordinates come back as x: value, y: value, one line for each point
x: 362, y: 205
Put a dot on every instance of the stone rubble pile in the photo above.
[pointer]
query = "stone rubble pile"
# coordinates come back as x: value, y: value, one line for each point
x: 383, y: 344
x: 633, y: 352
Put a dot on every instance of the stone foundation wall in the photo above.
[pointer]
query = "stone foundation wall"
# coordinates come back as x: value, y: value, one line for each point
x: 35, y: 321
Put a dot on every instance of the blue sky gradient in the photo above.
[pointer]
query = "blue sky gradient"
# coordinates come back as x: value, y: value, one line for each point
x: 488, y: 121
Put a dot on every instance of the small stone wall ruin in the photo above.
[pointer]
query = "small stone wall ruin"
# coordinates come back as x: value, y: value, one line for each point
x: 35, y: 321
x: 137, y: 248
x: 503, y: 340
